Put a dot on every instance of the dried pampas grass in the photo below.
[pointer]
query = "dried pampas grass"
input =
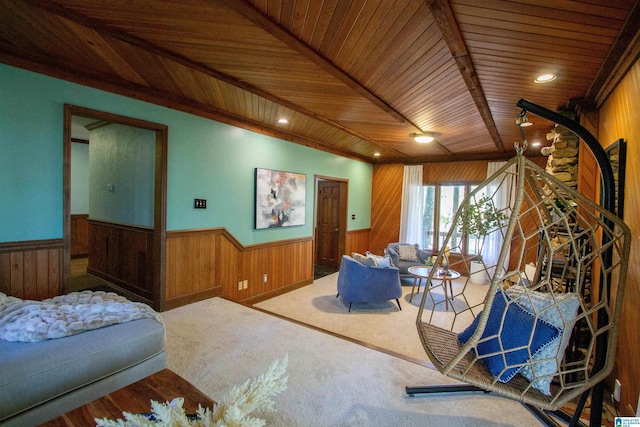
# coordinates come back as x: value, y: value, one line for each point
x: 233, y: 411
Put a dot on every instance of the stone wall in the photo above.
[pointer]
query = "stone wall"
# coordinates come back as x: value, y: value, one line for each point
x: 563, y: 156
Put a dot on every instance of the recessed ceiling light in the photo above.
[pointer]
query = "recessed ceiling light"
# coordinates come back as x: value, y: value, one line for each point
x: 535, y: 144
x: 376, y: 154
x: 545, y: 78
x: 423, y: 138
x: 283, y: 121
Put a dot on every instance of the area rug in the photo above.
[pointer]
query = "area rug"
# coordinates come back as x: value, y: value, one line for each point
x: 216, y: 344
x: 379, y: 324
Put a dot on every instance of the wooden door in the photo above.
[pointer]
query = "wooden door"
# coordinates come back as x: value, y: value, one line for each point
x: 329, y: 224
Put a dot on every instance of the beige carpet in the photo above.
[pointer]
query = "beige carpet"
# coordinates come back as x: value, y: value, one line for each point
x: 379, y: 324
x: 216, y: 344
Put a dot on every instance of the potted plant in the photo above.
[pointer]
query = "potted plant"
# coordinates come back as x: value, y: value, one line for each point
x: 478, y: 219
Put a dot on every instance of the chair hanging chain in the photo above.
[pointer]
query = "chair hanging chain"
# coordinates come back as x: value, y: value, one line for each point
x: 522, y: 118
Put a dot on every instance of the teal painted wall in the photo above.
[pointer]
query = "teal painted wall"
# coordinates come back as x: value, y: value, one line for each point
x: 206, y: 159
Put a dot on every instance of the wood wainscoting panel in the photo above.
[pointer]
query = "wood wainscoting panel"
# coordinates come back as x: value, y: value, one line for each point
x: 285, y: 264
x: 123, y: 255
x: 79, y: 235
x: 211, y: 262
x: 32, y: 269
x: 358, y: 241
x: 230, y: 272
x: 191, y: 262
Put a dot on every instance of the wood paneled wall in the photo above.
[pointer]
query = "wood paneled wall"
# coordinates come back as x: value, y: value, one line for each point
x: 358, y: 241
x: 31, y: 270
x: 452, y: 172
x: 79, y: 235
x: 618, y: 118
x: 205, y: 263
x: 386, y: 205
x: 122, y: 255
x: 386, y: 198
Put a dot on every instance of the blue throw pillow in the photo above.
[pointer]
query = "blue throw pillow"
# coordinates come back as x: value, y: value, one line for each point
x: 515, y: 333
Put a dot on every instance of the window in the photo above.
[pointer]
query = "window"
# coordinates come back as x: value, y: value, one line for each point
x: 441, y: 203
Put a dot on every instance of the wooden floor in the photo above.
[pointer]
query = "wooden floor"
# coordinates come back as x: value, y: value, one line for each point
x: 80, y: 280
x: 79, y: 266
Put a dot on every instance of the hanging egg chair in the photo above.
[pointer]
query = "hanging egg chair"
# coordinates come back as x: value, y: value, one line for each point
x: 544, y: 315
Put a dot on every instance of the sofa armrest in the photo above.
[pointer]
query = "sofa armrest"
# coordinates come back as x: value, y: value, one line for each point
x: 423, y: 255
x: 393, y: 254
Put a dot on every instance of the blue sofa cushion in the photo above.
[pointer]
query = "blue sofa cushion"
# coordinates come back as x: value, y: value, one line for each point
x: 36, y: 372
x: 514, y: 332
x: 380, y: 261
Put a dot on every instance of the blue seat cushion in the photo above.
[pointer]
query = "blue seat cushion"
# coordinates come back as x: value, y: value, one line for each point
x: 35, y: 372
x: 521, y: 334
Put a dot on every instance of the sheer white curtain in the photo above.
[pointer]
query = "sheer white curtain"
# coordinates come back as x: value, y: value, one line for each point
x: 502, y: 190
x: 412, y: 205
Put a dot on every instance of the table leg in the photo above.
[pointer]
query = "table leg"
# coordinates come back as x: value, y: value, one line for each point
x: 415, y: 280
x: 446, y: 297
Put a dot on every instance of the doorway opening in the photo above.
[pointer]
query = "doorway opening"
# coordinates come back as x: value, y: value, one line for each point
x: 331, y: 224
x: 152, y: 291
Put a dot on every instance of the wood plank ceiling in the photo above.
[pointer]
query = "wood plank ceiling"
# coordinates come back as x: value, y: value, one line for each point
x: 354, y: 77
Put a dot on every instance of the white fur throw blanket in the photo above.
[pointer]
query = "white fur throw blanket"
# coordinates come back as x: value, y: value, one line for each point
x: 61, y: 316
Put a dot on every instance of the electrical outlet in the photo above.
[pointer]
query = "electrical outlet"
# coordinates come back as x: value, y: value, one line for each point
x: 245, y: 284
x: 240, y: 285
x: 264, y: 278
x: 617, y: 390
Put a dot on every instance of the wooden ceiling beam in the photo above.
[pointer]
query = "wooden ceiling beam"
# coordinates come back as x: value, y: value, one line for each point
x: 107, y: 31
x: 32, y: 61
x: 444, y: 17
x: 505, y: 156
x: 256, y: 16
x: 620, y: 58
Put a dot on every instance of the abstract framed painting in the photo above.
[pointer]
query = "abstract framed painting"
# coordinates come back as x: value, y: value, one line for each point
x: 280, y: 199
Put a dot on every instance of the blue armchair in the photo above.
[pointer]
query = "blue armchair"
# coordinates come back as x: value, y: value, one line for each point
x: 393, y: 252
x: 360, y: 283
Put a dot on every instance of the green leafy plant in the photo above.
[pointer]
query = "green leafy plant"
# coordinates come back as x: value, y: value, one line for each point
x: 480, y: 218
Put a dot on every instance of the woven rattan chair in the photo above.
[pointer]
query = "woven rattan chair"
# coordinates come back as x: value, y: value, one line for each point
x: 533, y: 333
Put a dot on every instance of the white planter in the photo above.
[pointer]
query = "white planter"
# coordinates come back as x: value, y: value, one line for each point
x: 478, y: 275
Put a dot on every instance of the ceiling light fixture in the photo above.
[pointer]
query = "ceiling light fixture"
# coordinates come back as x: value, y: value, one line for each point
x: 424, y: 138
x: 545, y: 78
x: 376, y: 154
x: 283, y: 121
